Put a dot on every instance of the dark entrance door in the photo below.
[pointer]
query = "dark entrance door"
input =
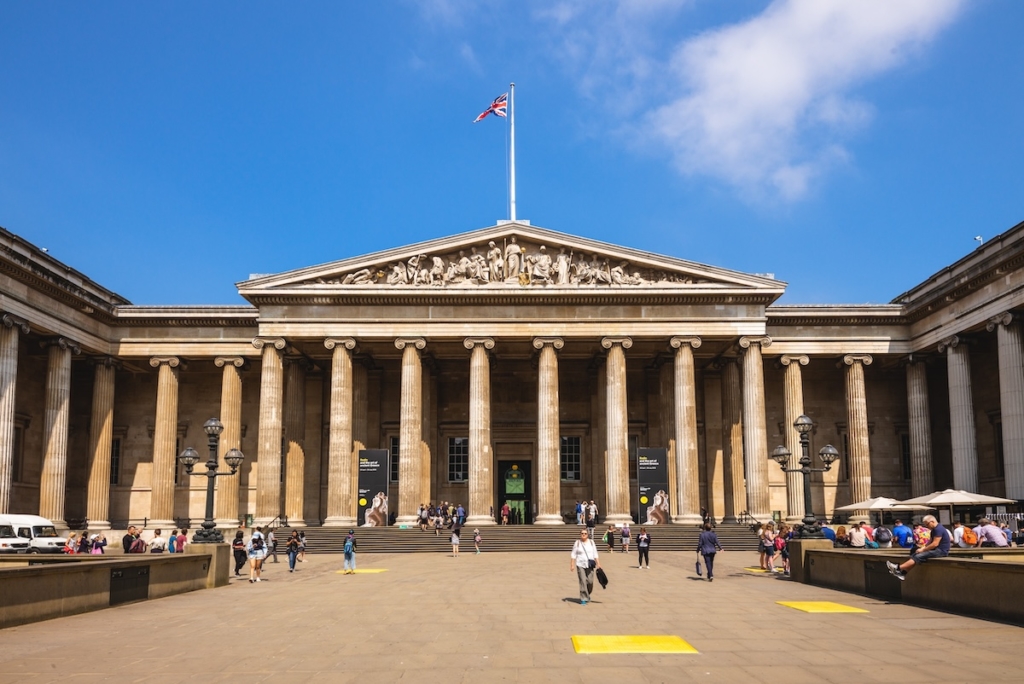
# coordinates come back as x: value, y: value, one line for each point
x: 515, y: 488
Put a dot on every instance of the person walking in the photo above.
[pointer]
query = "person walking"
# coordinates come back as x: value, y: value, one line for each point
x: 505, y: 510
x: 707, y: 546
x: 350, y: 553
x: 476, y: 540
x: 302, y: 546
x: 625, y: 537
x: 609, y: 538
x: 271, y: 544
x: 455, y: 542
x: 238, y: 549
x: 583, y: 559
x: 643, y: 546
x: 257, y: 551
x: 292, y: 549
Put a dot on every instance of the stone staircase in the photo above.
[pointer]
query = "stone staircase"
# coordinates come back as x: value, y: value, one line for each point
x: 511, y: 538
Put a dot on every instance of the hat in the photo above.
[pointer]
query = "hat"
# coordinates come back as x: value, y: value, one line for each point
x: 95, y: 536
x: 351, y: 531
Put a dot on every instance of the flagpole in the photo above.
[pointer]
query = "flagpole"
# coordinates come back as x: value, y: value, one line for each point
x: 512, y: 156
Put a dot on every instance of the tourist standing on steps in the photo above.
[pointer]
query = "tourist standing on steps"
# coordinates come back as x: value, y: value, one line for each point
x: 625, y: 537
x: 583, y: 559
x: 238, y: 549
x: 643, y: 546
x: 292, y: 549
x: 707, y: 546
x: 257, y: 551
x: 350, y: 553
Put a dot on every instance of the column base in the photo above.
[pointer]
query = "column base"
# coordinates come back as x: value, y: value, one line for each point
x: 225, y: 523
x: 262, y: 522
x: 617, y: 519
x: 99, y: 525
x: 730, y: 520
x: 479, y: 521
x: 687, y: 519
x: 549, y: 519
x: 340, y: 521
x: 162, y: 525
x: 413, y: 520
x: 299, y: 522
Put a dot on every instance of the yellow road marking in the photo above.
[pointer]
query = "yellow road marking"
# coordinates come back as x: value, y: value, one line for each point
x: 631, y: 643
x: 368, y: 571
x: 821, y: 607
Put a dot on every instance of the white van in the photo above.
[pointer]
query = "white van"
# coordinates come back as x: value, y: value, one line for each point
x: 38, y: 533
x: 11, y: 542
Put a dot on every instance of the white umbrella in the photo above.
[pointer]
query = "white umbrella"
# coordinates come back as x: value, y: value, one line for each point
x: 879, y: 503
x: 958, y: 497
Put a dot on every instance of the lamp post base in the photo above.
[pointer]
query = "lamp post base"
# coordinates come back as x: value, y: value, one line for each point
x: 208, y: 536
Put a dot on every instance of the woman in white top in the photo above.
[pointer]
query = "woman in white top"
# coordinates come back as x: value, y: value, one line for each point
x: 157, y: 544
x: 256, y: 550
x: 584, y: 560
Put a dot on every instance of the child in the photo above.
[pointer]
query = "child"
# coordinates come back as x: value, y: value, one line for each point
x: 476, y: 540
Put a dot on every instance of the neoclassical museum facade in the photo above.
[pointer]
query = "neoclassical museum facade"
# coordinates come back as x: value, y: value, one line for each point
x: 511, y: 363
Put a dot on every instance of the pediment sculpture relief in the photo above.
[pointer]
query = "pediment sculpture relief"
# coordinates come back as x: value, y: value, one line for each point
x: 511, y: 263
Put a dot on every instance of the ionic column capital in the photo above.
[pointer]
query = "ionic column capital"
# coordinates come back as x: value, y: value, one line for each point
x: 609, y: 342
x: 346, y: 342
x: 10, y: 321
x: 417, y: 342
x: 236, y: 361
x: 801, y: 359
x: 107, y: 362
x: 157, y: 361
x: 63, y: 343
x: 851, y: 359
x: 951, y: 342
x: 677, y: 342
x: 541, y: 342
x: 748, y: 340
x: 278, y: 343
x: 486, y: 342
x: 1003, y: 319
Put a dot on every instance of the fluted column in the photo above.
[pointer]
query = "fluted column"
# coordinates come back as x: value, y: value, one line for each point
x: 10, y: 327
x: 101, y: 437
x: 857, y: 428
x: 687, y: 465
x: 341, y: 483
x: 165, y: 437
x: 922, y: 480
x: 481, y: 456
x: 617, y: 425
x: 732, y: 442
x: 755, y: 434
x: 268, y: 459
x: 53, y: 481
x: 793, y: 397
x: 228, y: 513
x: 549, y: 494
x: 1011, y: 400
x: 961, y: 414
x: 410, y: 457
x: 295, y: 441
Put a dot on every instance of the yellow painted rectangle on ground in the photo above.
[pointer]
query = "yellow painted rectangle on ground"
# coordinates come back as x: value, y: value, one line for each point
x: 821, y: 607
x: 367, y: 571
x: 631, y: 643
x: 755, y: 569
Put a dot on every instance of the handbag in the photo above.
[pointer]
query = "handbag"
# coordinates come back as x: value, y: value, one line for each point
x: 591, y: 562
x: 698, y: 569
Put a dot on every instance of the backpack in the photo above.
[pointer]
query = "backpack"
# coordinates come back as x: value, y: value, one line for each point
x: 349, y: 548
x: 138, y: 546
x: 882, y: 534
x: 257, y: 543
x: 970, y: 538
x: 780, y: 543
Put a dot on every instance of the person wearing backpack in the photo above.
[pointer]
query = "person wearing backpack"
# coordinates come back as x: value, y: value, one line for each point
x: 350, y: 553
x: 257, y: 551
x: 883, y: 535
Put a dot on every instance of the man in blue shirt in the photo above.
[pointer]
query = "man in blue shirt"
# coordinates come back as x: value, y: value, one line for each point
x: 829, y: 533
x: 936, y: 548
x: 903, y: 534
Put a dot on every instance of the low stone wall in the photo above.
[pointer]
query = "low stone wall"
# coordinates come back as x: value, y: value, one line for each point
x: 984, y: 583
x: 55, y: 586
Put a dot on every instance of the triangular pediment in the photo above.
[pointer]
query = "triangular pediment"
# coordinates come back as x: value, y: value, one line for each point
x: 508, y: 256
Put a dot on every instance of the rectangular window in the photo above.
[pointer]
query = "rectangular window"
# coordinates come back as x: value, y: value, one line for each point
x: 633, y: 446
x: 846, y: 456
x: 997, y: 426
x: 115, y: 461
x: 179, y: 470
x: 569, y: 459
x: 19, y: 448
x: 458, y: 459
x: 393, y: 446
x: 905, y: 455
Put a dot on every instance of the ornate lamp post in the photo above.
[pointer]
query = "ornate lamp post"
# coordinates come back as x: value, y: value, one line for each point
x: 189, y: 457
x: 810, y: 529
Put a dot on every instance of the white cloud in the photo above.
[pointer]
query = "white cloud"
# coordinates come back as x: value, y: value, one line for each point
x: 765, y: 102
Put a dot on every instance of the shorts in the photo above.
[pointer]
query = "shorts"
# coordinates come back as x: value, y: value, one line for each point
x: 923, y: 556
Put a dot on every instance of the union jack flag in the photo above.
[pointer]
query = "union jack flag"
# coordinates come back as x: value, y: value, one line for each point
x: 497, y: 108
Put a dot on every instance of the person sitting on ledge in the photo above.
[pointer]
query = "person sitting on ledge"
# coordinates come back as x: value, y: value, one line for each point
x: 936, y: 548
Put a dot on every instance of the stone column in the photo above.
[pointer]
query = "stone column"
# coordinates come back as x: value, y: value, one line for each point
x: 961, y: 414
x: 101, y: 437
x: 481, y: 455
x: 617, y: 425
x: 10, y: 326
x: 687, y: 465
x: 165, y: 437
x: 410, y: 434
x: 228, y: 514
x: 793, y: 397
x: 922, y: 480
x: 549, y: 495
x: 341, y: 482
x: 857, y: 428
x: 732, y: 442
x: 295, y: 441
x: 1011, y: 401
x: 268, y: 459
x: 755, y: 434
x: 53, y: 480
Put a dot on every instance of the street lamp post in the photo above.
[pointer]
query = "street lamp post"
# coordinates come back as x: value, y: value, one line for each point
x: 189, y: 457
x: 811, y: 528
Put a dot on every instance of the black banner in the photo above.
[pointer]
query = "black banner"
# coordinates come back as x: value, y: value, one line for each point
x: 652, y: 478
x: 374, y: 475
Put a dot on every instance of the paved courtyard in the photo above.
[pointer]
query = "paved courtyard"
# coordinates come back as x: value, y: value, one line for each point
x: 505, y: 617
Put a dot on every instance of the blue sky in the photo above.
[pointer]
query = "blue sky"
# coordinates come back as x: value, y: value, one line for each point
x: 170, y: 150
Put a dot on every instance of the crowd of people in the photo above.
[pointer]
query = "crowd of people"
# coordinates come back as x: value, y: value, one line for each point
x: 444, y: 515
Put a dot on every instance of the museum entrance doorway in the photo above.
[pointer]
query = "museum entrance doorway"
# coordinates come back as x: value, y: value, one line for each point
x: 515, y: 489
